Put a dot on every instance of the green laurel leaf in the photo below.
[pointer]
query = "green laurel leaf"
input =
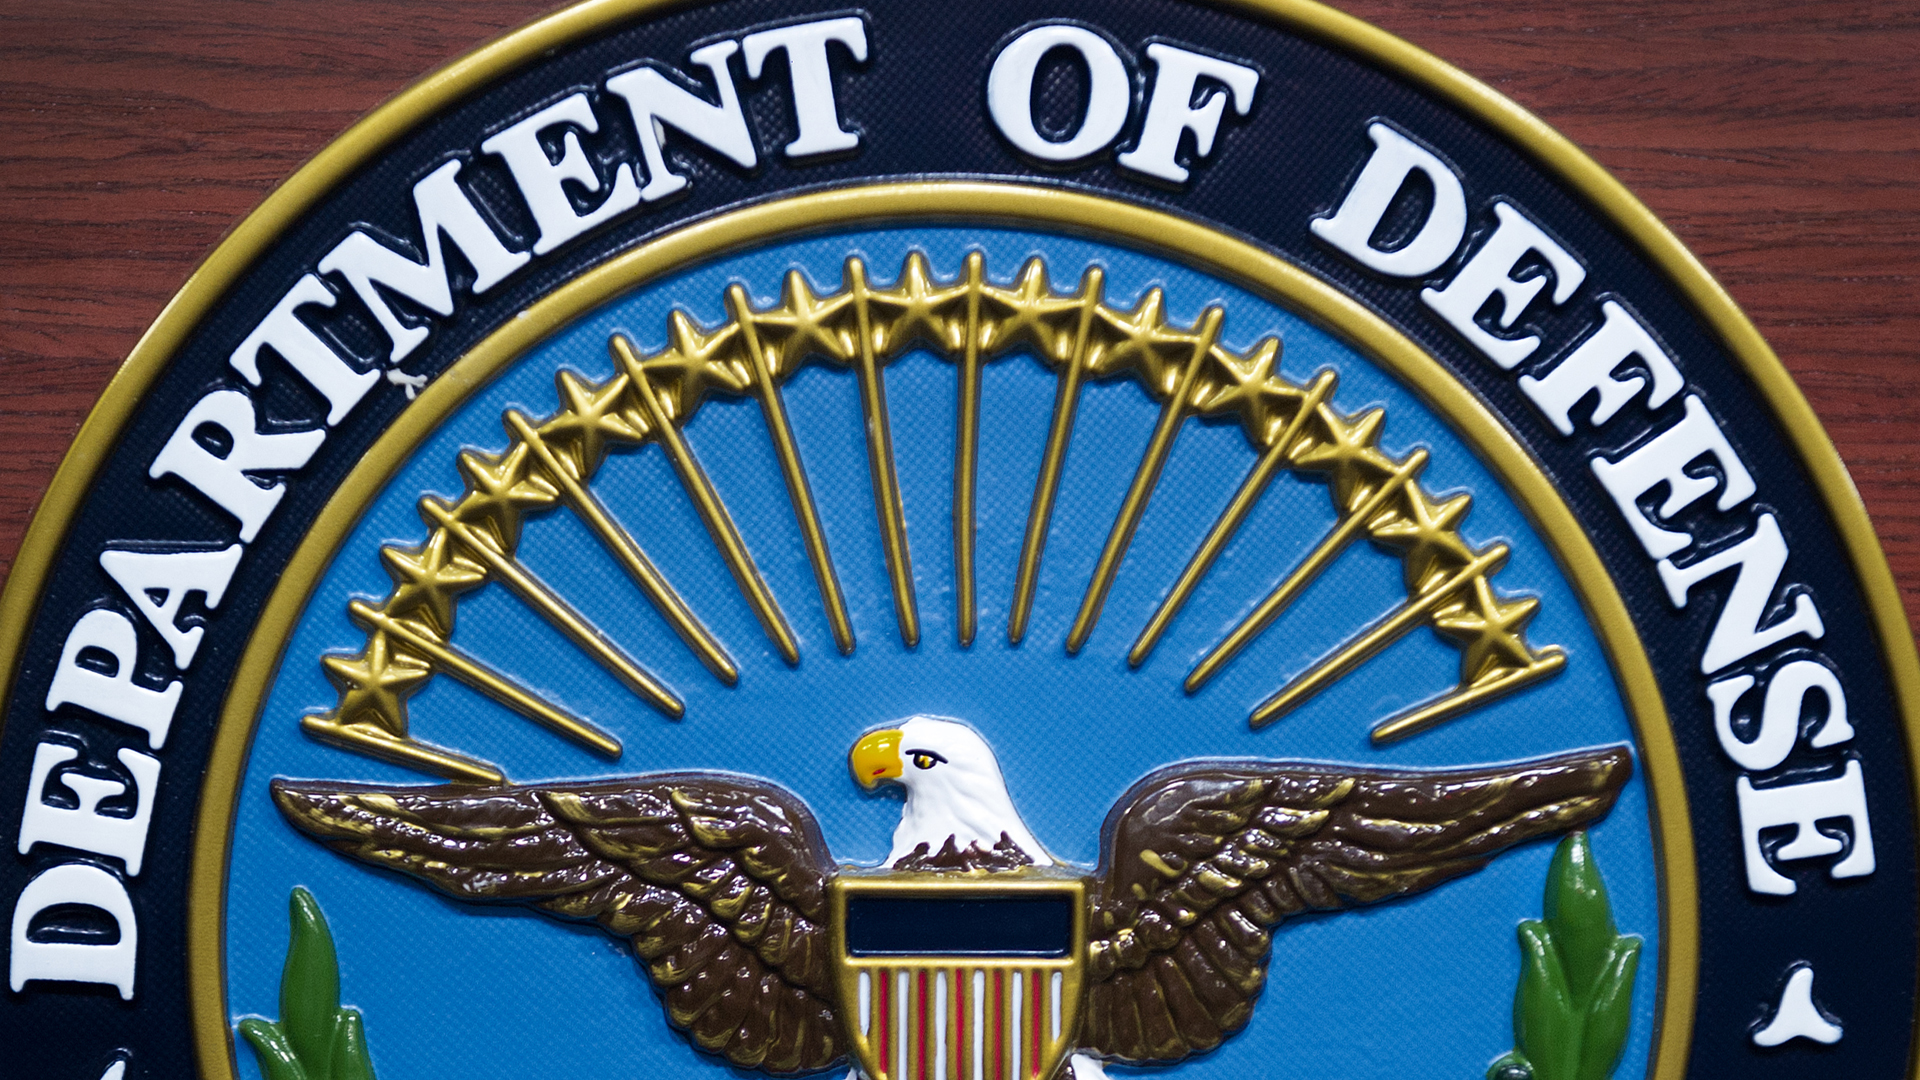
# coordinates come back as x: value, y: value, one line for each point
x: 1574, y: 1003
x: 271, y: 1049
x: 310, y: 987
x: 1610, y: 1011
x: 316, y: 1037
x: 1546, y: 1023
x: 1578, y: 911
x: 350, y: 1060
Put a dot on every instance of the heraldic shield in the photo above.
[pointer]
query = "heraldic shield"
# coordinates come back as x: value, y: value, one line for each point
x: 960, y: 976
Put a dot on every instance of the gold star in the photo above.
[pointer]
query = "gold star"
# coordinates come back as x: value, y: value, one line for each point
x: 590, y: 417
x: 1143, y: 341
x: 805, y: 325
x: 375, y: 685
x: 427, y: 578
x: 694, y: 365
x: 1252, y: 386
x: 918, y: 308
x: 500, y: 488
x: 1490, y: 633
x: 1346, y: 452
x: 1425, y: 534
x: 1031, y: 313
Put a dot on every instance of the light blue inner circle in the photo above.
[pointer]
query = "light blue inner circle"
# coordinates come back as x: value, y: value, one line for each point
x: 452, y: 991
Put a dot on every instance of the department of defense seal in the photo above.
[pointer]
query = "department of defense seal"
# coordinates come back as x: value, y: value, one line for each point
x: 1191, y: 540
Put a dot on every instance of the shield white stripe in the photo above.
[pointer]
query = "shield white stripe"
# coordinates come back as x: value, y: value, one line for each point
x: 866, y: 1004
x: 979, y: 1025
x: 1058, y: 978
x: 901, y: 1026
x: 1019, y: 981
x: 940, y: 1025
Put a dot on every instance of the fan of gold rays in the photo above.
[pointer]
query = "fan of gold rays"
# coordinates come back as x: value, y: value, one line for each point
x: 970, y: 320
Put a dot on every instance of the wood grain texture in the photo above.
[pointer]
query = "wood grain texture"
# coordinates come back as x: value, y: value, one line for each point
x: 1780, y: 140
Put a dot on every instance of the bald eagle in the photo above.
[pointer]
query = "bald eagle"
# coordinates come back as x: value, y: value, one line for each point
x: 721, y: 882
x: 958, y: 814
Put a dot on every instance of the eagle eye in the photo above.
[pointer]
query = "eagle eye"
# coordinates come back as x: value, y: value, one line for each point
x: 925, y: 759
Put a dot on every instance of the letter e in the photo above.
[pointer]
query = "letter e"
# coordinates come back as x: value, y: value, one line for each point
x: 113, y: 696
x: 1801, y: 806
x: 123, y: 838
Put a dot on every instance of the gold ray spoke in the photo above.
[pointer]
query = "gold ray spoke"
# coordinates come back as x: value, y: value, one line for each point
x: 456, y: 662
x: 1383, y: 633
x: 713, y: 512
x: 971, y: 321
x: 509, y: 571
x: 886, y: 485
x: 1235, y: 515
x: 1173, y: 414
x: 1322, y: 556
x: 627, y: 552
x: 966, y: 459
x: 1066, y: 400
x: 1495, y: 684
x: 774, y: 409
x: 404, y: 752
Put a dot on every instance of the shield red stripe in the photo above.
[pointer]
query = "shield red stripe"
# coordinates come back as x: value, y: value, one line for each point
x: 1036, y: 1009
x: 883, y: 1014
x: 956, y: 1021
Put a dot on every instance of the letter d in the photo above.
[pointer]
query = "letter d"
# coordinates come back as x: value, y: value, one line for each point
x: 67, y: 961
x: 1394, y: 159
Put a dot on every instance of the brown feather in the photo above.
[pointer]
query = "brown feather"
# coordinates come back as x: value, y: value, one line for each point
x: 1199, y: 860
x: 718, y: 882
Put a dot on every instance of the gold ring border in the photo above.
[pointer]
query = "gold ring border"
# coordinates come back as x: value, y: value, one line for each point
x: 936, y: 202
x: 464, y: 76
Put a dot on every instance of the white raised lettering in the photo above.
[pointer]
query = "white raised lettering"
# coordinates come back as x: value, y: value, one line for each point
x: 1010, y: 92
x: 1590, y: 367
x: 811, y: 77
x: 172, y: 575
x: 86, y: 828
x: 224, y: 479
x: 1394, y: 160
x: 1803, y: 806
x: 1797, y: 1017
x: 1737, y: 634
x: 1489, y: 273
x: 1779, y: 722
x: 111, y: 963
x: 1663, y: 459
x: 1171, y: 112
x: 657, y: 102
x: 111, y: 694
x: 542, y: 181
x: 317, y: 363
x: 441, y: 208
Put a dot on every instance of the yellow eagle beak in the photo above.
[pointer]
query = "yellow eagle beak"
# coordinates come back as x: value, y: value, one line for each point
x: 876, y: 757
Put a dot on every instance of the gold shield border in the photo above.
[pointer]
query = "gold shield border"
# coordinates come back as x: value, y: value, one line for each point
x: 439, y: 90
x: 915, y: 883
x: 968, y: 202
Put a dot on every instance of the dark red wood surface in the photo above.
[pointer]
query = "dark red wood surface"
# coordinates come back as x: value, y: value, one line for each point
x: 1780, y: 140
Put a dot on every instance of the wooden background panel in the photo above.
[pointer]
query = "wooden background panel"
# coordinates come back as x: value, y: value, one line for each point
x: 1780, y: 140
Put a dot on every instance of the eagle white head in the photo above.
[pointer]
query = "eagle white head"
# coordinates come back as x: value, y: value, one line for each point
x: 953, y: 785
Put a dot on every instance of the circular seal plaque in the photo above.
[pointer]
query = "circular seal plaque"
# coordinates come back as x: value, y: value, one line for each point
x: 1143, y: 537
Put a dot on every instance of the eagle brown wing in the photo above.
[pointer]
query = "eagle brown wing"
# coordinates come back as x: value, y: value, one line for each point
x: 1199, y: 861
x: 718, y: 881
